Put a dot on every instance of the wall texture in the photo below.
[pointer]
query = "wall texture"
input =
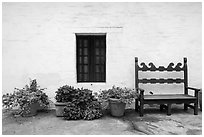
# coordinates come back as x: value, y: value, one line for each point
x: 39, y: 41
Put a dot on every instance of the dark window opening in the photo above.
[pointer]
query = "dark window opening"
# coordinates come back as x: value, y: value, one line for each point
x: 91, y: 58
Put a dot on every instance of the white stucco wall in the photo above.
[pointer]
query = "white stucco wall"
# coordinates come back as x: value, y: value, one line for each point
x: 39, y: 41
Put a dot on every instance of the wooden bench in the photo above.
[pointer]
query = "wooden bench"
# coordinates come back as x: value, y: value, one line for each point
x: 164, y: 100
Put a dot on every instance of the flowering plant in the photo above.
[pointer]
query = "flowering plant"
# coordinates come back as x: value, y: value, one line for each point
x: 22, y: 98
x: 124, y: 95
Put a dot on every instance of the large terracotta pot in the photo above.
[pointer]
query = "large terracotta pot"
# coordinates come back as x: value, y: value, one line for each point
x: 41, y: 107
x: 117, y: 108
x: 59, y: 106
x: 30, y: 110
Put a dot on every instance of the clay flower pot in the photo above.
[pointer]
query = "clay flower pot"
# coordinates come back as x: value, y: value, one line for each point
x: 117, y: 108
x: 59, y: 106
x: 30, y: 110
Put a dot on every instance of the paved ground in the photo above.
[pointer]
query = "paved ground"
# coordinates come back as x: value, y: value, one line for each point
x: 154, y: 122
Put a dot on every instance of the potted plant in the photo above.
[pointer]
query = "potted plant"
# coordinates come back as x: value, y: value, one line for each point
x: 26, y: 100
x: 117, y: 98
x: 74, y: 103
x: 63, y: 95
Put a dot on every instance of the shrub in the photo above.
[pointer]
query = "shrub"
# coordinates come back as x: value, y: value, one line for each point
x: 65, y: 94
x: 72, y: 112
x: 82, y: 104
x: 93, y: 111
x: 83, y: 97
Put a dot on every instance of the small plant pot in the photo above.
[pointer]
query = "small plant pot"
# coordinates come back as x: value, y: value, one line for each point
x: 30, y: 110
x: 41, y: 107
x: 59, y: 106
x: 117, y: 108
x: 200, y: 100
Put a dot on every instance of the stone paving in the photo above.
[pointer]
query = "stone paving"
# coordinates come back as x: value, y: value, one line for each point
x: 154, y: 122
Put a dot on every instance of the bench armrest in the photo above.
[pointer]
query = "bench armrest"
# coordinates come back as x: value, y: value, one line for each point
x: 195, y: 89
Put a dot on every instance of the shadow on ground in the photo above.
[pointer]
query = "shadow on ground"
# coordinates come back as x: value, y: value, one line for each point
x: 154, y: 122
x: 157, y: 122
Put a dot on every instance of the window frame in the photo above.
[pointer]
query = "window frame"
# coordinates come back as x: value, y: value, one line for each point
x: 91, y: 58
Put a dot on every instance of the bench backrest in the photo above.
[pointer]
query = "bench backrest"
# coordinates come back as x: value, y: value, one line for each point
x: 169, y: 68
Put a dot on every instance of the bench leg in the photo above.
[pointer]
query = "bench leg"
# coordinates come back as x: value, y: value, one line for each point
x: 136, y: 105
x: 168, y: 109
x: 185, y: 107
x: 141, y: 108
x: 196, y: 108
x: 161, y: 107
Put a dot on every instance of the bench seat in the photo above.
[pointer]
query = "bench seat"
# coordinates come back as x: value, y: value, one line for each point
x: 168, y: 97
